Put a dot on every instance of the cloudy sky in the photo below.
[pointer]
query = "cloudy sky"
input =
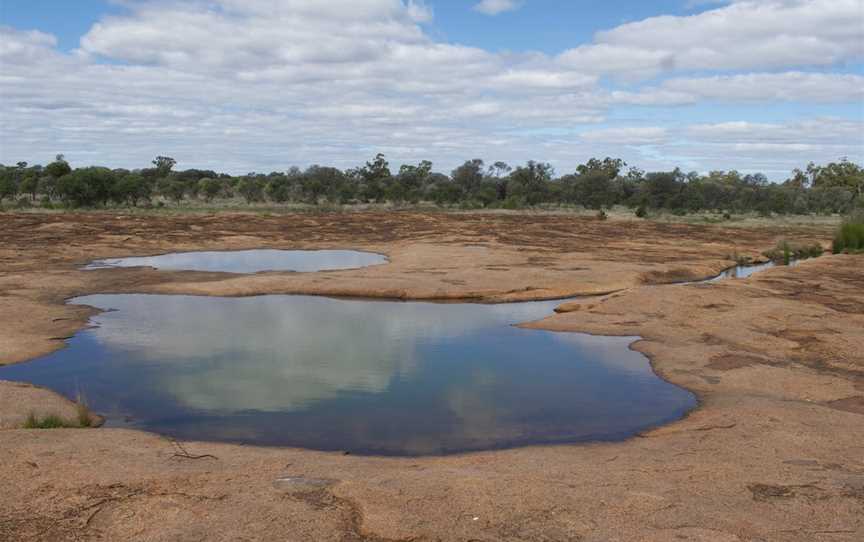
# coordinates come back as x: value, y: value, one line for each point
x: 261, y: 85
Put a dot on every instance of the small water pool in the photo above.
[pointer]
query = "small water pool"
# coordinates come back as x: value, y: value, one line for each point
x: 250, y: 261
x: 372, y: 377
x: 744, y: 271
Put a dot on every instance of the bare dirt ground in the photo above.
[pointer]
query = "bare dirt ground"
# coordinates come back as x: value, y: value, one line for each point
x: 775, y: 451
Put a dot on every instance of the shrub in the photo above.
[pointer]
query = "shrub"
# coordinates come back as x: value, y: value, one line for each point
x: 82, y: 412
x: 850, y: 235
x: 785, y: 252
x: 740, y: 259
x: 83, y: 418
x: 642, y: 211
x: 86, y: 187
x: 601, y: 215
x: 513, y: 202
x: 51, y: 421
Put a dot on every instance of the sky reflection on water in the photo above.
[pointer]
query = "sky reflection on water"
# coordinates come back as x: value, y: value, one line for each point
x: 250, y: 261
x: 397, y: 378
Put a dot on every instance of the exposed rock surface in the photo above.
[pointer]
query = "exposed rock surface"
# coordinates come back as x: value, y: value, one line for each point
x: 775, y: 452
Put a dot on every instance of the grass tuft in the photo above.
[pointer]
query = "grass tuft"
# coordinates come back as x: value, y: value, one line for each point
x: 740, y: 259
x: 51, y: 421
x: 83, y: 418
x: 850, y: 235
x: 785, y: 252
x: 82, y: 411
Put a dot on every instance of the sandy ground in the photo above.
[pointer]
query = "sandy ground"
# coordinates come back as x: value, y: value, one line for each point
x: 775, y: 451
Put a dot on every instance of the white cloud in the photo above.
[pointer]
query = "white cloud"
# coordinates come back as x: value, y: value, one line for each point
x: 266, y: 84
x: 825, y: 131
x: 801, y: 87
x: 627, y: 135
x: 745, y: 35
x: 494, y: 7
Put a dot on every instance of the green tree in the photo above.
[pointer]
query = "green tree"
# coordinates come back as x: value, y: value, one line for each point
x: 468, y: 178
x: 58, y: 167
x: 164, y: 165
x: 499, y: 173
x: 8, y: 187
x: 661, y: 189
x: 209, y: 188
x: 87, y: 186
x: 251, y: 188
x: 408, y: 184
x: 131, y: 189
x: 843, y: 174
x: 318, y: 182
x: 530, y: 182
x: 172, y: 188
x: 375, y: 176
x: 30, y: 185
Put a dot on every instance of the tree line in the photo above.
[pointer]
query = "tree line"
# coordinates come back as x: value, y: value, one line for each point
x: 837, y: 187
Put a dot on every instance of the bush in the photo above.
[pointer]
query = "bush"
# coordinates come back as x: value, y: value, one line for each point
x: 642, y: 211
x: 601, y: 215
x: 83, y: 418
x: 513, y: 202
x: 850, y: 235
x: 23, y: 203
x: 82, y: 411
x: 785, y: 252
x: 740, y: 259
x: 51, y: 421
x: 86, y: 187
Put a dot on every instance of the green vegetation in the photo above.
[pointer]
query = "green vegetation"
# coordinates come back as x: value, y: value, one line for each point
x: 51, y: 421
x: 740, y: 259
x: 598, y: 185
x: 83, y: 418
x: 850, y: 235
x: 785, y: 252
x: 82, y: 412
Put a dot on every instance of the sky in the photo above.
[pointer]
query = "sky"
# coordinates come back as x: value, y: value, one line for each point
x: 263, y: 85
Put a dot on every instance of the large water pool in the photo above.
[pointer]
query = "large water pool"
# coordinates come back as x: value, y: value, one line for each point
x: 374, y: 377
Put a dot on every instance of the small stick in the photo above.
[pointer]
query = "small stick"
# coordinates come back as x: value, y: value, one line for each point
x: 183, y: 453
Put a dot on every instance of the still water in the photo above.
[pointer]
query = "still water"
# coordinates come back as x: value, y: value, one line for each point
x: 744, y: 271
x: 250, y: 261
x: 376, y: 377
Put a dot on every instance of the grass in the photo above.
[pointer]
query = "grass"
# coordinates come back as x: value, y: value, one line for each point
x: 850, y: 235
x: 617, y: 213
x: 83, y: 418
x: 82, y: 412
x: 740, y: 259
x: 785, y: 252
x: 50, y: 421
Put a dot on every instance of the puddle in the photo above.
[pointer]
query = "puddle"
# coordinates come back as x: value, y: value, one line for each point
x: 744, y: 271
x: 740, y: 272
x: 250, y: 261
x: 369, y: 377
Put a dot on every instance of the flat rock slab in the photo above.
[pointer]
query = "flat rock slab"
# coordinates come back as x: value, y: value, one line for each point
x: 299, y: 484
